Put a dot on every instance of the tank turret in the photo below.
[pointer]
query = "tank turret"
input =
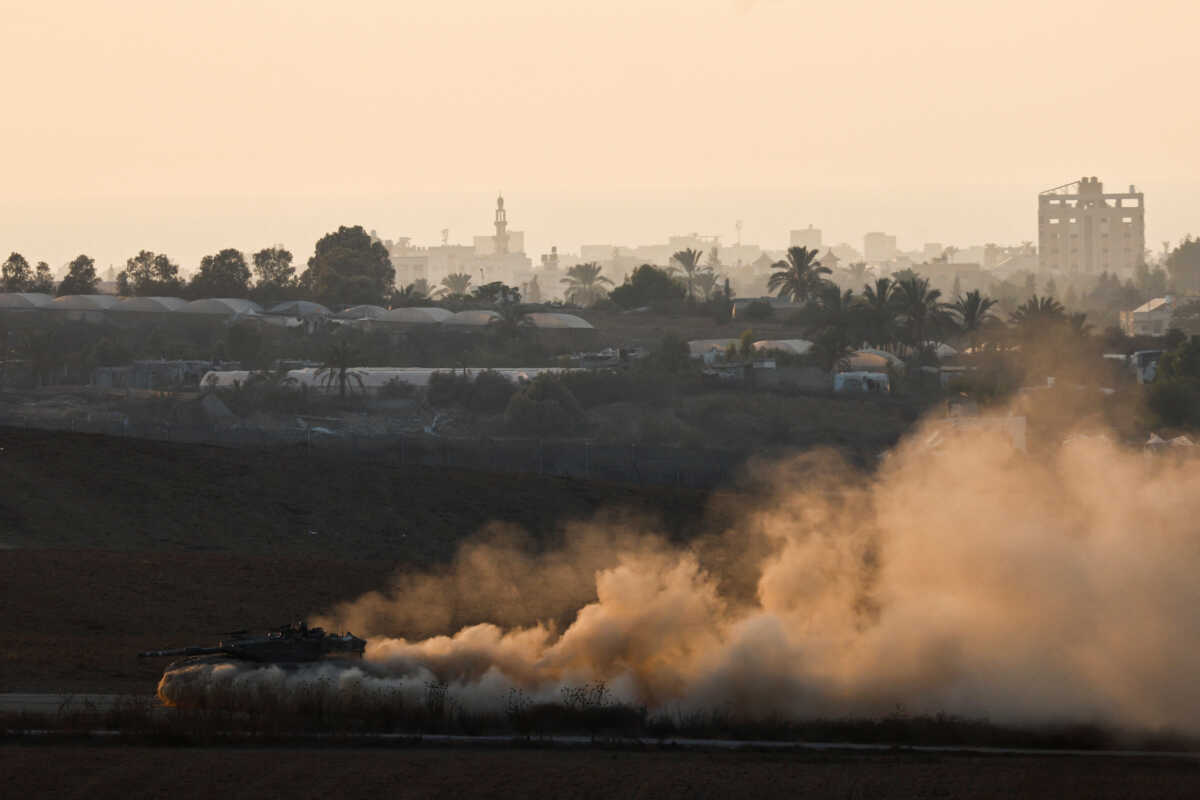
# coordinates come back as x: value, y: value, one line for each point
x: 289, y: 644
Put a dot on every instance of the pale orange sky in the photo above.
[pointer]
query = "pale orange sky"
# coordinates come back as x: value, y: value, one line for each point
x: 192, y: 126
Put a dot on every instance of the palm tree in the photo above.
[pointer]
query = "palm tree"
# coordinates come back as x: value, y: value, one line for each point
x: 857, y: 272
x: 879, y: 306
x: 339, y: 369
x: 974, y: 313
x: 512, y: 321
x: 1038, y: 312
x: 921, y: 311
x: 799, y: 277
x: 415, y: 292
x: 689, y: 261
x: 706, y: 283
x: 835, y: 325
x: 455, y: 284
x: 583, y: 283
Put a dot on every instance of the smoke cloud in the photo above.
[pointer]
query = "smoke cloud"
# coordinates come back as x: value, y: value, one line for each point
x: 966, y: 578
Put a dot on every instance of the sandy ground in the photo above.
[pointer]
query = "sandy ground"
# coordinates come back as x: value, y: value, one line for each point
x: 91, y: 772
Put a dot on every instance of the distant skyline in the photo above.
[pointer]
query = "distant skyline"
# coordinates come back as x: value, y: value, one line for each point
x: 188, y: 127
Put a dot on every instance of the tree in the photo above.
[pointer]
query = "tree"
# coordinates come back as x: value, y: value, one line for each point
x: 973, y: 312
x: 513, y: 320
x: 673, y: 355
x: 149, y: 274
x: 338, y: 369
x: 455, y: 284
x: 497, y: 293
x: 713, y: 264
x: 583, y: 283
x: 879, y: 308
x: 1150, y: 284
x: 1182, y: 362
x: 921, y: 312
x: 544, y: 406
x: 15, y: 274
x: 857, y: 272
x: 647, y: 286
x: 1183, y: 265
x: 706, y: 283
x: 1186, y: 317
x: 688, y: 261
x: 799, y: 277
x: 348, y: 267
x: 43, y: 279
x: 1175, y: 395
x: 81, y: 277
x: 412, y: 294
x: 835, y: 325
x: 222, y: 275
x: 273, y: 266
x: 533, y: 290
x: 1038, y: 312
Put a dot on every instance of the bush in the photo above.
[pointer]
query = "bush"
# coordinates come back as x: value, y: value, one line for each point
x: 544, y: 406
x: 448, y: 388
x: 490, y: 392
x: 1176, y: 402
x: 755, y: 311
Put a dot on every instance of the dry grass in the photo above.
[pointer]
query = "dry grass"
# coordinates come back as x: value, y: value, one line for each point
x: 416, y: 771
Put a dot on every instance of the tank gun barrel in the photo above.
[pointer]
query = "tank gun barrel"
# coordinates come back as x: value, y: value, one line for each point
x: 182, y: 651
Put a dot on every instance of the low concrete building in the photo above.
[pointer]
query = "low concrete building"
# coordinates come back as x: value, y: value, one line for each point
x: 1152, y: 318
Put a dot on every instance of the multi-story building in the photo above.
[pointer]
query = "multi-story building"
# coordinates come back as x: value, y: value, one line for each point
x: 809, y: 237
x: 879, y: 248
x: 1082, y: 229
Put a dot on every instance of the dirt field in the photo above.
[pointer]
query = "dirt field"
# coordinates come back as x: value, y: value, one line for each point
x: 90, y: 772
x: 112, y: 546
x: 75, y: 620
x: 80, y: 491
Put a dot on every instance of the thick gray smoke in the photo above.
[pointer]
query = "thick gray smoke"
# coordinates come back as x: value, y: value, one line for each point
x: 967, y: 579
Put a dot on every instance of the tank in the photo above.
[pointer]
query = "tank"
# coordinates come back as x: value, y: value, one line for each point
x: 290, y: 644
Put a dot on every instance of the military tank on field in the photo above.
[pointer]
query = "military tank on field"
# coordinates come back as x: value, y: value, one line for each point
x: 290, y: 644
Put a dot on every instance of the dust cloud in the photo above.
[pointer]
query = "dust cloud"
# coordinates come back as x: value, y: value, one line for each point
x: 964, y: 578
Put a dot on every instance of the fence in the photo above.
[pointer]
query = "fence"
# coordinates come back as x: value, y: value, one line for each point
x: 639, y: 463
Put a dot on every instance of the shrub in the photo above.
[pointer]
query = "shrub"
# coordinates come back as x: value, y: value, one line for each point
x: 1176, y: 402
x: 490, y: 391
x: 544, y: 406
x: 756, y: 310
x: 448, y: 388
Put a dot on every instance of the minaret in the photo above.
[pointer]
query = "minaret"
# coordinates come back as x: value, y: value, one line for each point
x: 501, y: 227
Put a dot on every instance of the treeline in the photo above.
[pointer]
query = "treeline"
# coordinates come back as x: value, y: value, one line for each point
x: 347, y: 267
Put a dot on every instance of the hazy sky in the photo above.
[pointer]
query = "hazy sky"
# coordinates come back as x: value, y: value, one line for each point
x: 192, y: 126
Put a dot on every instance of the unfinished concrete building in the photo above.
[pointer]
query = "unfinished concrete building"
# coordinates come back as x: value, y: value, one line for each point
x: 1082, y: 229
